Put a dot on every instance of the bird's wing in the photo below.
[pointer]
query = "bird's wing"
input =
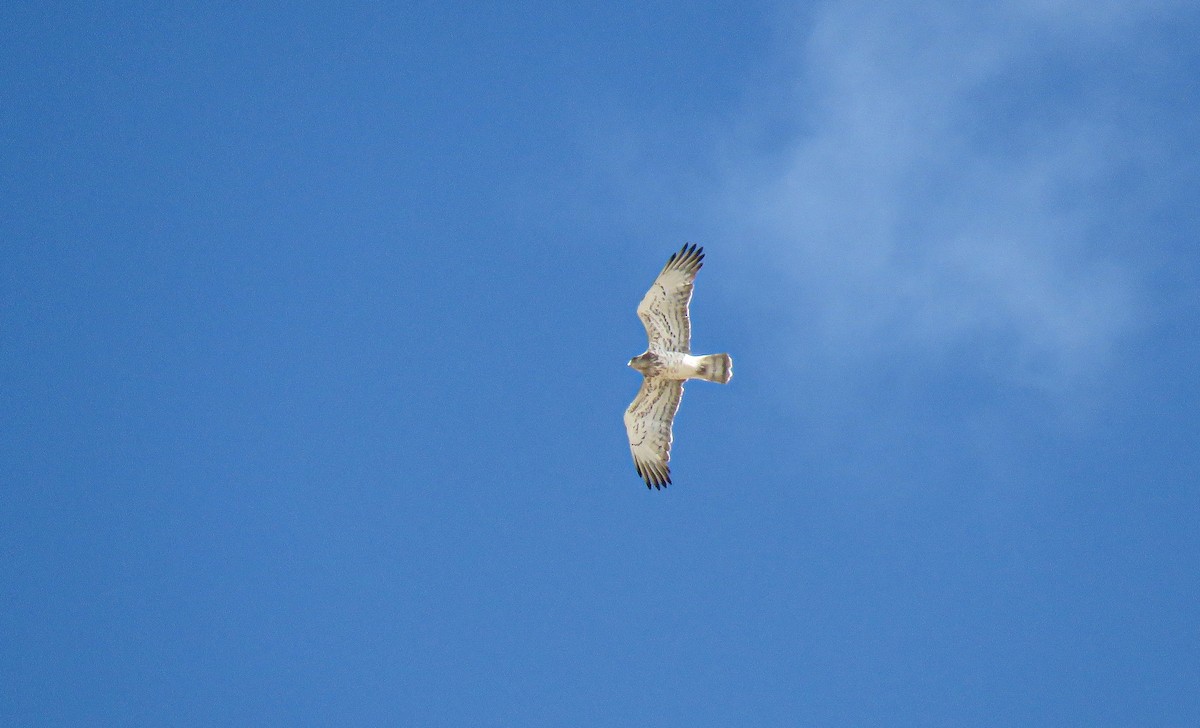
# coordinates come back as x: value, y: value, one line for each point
x: 648, y: 424
x: 664, y: 308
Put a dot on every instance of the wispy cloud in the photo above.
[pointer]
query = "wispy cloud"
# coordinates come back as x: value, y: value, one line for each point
x: 947, y: 183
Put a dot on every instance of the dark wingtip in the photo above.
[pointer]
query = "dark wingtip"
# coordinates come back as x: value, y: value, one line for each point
x: 692, y: 254
x: 690, y: 257
x: 653, y: 474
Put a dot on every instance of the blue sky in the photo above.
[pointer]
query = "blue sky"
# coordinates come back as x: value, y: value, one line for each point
x: 313, y: 331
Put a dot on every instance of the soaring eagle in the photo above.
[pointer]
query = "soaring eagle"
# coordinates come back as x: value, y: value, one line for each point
x: 667, y: 362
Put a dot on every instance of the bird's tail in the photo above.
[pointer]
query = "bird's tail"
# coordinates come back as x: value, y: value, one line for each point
x: 716, y: 368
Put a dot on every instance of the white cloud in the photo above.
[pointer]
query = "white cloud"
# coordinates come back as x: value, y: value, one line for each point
x: 925, y: 209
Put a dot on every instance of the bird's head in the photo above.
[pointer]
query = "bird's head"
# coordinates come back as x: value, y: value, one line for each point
x: 640, y: 362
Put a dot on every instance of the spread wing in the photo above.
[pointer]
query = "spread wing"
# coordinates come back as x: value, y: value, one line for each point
x: 648, y: 424
x: 664, y: 308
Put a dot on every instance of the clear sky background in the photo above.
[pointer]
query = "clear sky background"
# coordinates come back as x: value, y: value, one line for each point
x: 313, y: 331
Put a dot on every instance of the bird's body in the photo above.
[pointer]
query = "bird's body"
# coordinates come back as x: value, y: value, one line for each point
x: 677, y: 365
x: 666, y: 364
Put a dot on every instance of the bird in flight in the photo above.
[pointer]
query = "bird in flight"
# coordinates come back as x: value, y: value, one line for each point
x: 666, y: 364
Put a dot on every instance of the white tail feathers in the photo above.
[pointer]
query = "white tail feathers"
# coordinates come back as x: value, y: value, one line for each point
x: 716, y: 368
